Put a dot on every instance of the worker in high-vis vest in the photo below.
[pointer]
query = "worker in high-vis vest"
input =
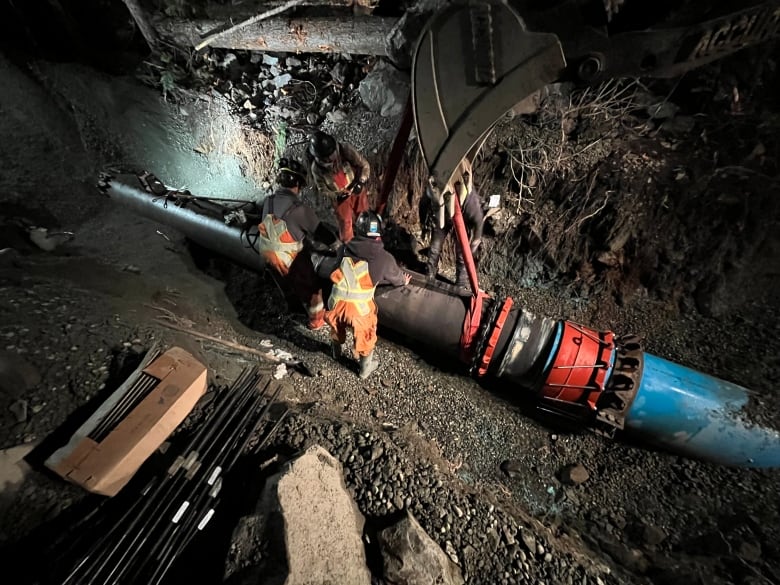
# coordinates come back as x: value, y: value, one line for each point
x: 340, y: 173
x: 287, y: 225
x: 362, y: 265
x: 462, y: 187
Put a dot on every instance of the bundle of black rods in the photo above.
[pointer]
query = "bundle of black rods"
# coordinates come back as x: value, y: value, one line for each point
x: 137, y: 392
x: 177, y: 504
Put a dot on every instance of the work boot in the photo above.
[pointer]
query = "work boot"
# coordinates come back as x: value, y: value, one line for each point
x: 368, y: 365
x: 335, y: 350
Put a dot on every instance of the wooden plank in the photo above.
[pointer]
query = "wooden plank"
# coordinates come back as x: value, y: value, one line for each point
x: 250, y: 8
x: 359, y: 35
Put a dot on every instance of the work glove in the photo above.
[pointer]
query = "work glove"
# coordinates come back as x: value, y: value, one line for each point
x: 357, y: 187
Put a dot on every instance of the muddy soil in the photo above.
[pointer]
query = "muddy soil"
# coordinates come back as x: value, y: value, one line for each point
x: 596, y: 242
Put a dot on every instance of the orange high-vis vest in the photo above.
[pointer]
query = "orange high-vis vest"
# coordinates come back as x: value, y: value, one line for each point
x: 352, y: 284
x: 276, y: 244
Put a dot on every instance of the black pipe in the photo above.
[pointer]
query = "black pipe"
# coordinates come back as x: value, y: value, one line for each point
x: 426, y: 313
x: 431, y: 313
x: 202, y: 225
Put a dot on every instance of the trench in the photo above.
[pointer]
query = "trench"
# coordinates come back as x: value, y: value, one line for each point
x: 695, y: 272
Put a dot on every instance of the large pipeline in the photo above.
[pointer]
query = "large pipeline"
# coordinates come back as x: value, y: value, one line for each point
x: 607, y: 383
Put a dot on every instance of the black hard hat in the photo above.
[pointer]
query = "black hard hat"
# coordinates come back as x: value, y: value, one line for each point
x: 368, y: 224
x: 291, y: 173
x: 321, y: 145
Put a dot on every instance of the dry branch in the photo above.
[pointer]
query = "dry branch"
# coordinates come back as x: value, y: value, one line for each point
x: 359, y: 35
x: 248, y: 22
x: 231, y: 344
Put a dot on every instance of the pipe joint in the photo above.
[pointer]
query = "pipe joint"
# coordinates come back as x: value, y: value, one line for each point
x: 619, y: 392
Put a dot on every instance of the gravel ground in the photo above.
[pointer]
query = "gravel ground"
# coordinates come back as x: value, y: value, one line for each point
x: 655, y: 515
x: 417, y: 434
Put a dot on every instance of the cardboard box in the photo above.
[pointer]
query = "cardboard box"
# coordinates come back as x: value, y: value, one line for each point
x: 105, y: 467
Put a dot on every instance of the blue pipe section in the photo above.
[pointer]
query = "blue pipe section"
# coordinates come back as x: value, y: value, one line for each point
x: 699, y: 416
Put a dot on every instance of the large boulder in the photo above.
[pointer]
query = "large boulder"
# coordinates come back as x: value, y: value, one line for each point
x: 411, y: 557
x: 385, y: 90
x: 309, y: 525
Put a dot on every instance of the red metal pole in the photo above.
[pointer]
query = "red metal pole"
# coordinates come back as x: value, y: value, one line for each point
x: 396, y: 154
x: 465, y: 248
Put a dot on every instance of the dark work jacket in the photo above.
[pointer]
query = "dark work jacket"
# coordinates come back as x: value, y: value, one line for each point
x: 381, y: 265
x: 300, y: 221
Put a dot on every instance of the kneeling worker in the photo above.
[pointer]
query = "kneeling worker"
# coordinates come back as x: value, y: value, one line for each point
x: 363, y: 264
x: 288, y: 225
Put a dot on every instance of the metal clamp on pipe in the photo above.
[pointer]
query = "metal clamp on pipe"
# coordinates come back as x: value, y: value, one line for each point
x: 580, y: 367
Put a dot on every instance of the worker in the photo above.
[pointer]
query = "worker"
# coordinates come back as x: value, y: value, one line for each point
x: 462, y: 185
x: 361, y: 265
x: 340, y: 173
x: 287, y: 229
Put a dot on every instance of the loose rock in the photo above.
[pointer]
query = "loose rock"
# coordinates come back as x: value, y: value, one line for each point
x: 574, y: 474
x: 385, y: 90
x: 411, y: 557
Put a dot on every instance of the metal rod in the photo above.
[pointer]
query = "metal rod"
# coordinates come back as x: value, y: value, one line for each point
x: 587, y: 334
x: 205, y: 519
x: 186, y: 197
x: 126, y: 405
x: 186, y: 536
x: 152, y: 491
x: 571, y: 386
x: 595, y: 367
x: 265, y: 410
x: 215, y: 470
x: 138, y: 383
x: 161, y: 510
x: 232, y: 448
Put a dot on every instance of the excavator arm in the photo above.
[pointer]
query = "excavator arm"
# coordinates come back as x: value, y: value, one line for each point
x: 476, y: 59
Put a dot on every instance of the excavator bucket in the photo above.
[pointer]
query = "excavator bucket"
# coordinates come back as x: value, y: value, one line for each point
x: 473, y: 63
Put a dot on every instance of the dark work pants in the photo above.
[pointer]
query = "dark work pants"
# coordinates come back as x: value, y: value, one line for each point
x: 437, y: 242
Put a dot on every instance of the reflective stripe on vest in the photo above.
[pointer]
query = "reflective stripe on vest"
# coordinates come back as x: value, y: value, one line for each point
x: 352, y: 284
x: 271, y: 232
x: 338, y: 181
